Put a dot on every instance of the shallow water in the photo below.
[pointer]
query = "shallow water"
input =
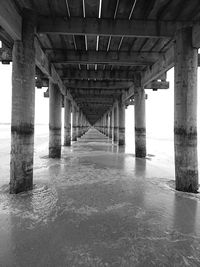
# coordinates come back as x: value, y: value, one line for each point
x: 98, y: 206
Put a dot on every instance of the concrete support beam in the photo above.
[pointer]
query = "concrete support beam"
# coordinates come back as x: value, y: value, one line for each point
x: 108, y: 27
x: 116, y: 123
x: 10, y: 20
x: 185, y: 112
x: 99, y: 75
x: 67, y: 122
x: 78, y: 122
x: 23, y: 108
x: 121, y: 123
x: 55, y: 105
x: 101, y: 57
x: 155, y: 85
x: 74, y: 122
x: 140, y: 120
x: 107, y: 122
x: 113, y: 123
x: 110, y: 125
x: 155, y: 71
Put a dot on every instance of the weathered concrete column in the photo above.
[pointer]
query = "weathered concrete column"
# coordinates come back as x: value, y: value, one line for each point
x: 84, y: 125
x: 113, y: 122
x: 121, y: 123
x: 104, y: 124
x: 78, y: 127
x: 140, y: 119
x: 116, y: 123
x: 23, y: 108
x: 74, y: 120
x: 100, y: 125
x: 185, y: 112
x: 55, y: 105
x: 81, y: 124
x: 107, y: 124
x: 67, y: 122
x: 110, y: 125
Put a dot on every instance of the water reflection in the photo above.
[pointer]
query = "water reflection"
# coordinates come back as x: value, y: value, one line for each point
x: 140, y: 167
x: 185, y: 214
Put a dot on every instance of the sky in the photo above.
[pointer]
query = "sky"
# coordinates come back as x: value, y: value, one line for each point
x: 159, y: 106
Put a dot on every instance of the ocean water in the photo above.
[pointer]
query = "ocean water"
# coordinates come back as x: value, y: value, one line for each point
x: 160, y: 151
x: 98, y: 206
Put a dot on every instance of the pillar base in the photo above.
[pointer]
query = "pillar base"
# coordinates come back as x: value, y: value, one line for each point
x: 54, y: 152
x: 116, y: 137
x: 140, y: 153
x: 55, y: 143
x: 67, y: 137
x: 121, y: 136
x: 67, y: 143
x: 140, y: 142
x: 186, y: 163
x: 21, y: 165
x: 121, y: 142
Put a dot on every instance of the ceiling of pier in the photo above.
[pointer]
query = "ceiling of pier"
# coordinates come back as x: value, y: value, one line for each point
x: 97, y: 63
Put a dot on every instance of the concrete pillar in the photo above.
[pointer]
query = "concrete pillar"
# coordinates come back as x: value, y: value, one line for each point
x: 185, y: 112
x: 81, y: 125
x: 113, y: 122
x: 67, y: 122
x: 74, y: 119
x: 140, y: 119
x: 55, y: 105
x: 110, y: 125
x: 107, y: 124
x: 78, y: 122
x: 121, y: 123
x: 100, y: 125
x: 84, y: 125
x: 104, y: 124
x: 116, y: 123
x: 23, y: 108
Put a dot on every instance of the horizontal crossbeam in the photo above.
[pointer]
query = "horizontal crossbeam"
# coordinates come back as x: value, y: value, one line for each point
x: 103, y: 57
x: 107, y: 27
x: 97, y: 84
x: 98, y: 74
x: 155, y: 85
x: 97, y: 99
x: 97, y: 92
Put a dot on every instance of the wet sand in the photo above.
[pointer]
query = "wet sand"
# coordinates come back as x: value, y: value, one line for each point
x: 98, y: 206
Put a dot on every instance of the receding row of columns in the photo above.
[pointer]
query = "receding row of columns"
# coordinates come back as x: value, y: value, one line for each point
x: 23, y: 111
x: 71, y: 133
x: 112, y: 124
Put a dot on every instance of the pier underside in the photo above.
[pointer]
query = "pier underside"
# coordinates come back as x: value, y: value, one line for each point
x: 96, y: 57
x: 87, y: 209
x: 91, y: 203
